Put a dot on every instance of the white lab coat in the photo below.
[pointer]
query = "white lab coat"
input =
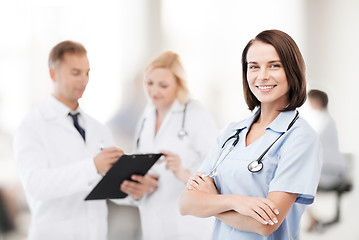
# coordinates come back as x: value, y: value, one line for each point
x: 57, y: 171
x: 160, y: 217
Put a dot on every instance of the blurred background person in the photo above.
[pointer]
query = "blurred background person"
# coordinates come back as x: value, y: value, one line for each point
x: 10, y: 201
x: 334, y: 170
x: 62, y: 152
x: 334, y: 165
x: 183, y: 131
x: 7, y: 212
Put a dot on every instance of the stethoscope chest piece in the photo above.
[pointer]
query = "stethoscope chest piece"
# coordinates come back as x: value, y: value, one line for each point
x: 182, y: 134
x: 255, y: 166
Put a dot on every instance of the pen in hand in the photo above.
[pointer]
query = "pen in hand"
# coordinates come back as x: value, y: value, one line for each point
x: 102, y: 145
x: 106, y: 158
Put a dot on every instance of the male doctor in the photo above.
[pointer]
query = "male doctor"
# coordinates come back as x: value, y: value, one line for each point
x: 61, y: 153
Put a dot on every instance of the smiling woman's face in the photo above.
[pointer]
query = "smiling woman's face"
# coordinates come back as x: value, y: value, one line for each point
x: 266, y: 76
x: 162, y: 87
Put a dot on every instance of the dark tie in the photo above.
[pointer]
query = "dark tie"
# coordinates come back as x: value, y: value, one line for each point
x: 77, y: 126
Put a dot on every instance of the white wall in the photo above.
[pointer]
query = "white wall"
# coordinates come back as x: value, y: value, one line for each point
x: 210, y: 37
x: 332, y: 62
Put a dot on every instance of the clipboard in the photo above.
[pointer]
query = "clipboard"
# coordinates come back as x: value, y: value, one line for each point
x: 124, y: 167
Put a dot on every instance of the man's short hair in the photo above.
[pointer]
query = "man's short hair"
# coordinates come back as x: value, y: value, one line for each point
x: 320, y: 95
x: 57, y: 53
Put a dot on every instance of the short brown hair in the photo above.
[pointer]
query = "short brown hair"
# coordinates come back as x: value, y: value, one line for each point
x: 57, y: 52
x: 292, y: 62
x: 171, y: 61
x: 320, y: 95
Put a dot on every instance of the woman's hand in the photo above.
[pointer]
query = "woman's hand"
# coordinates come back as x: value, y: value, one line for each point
x: 140, y: 185
x: 261, y: 209
x: 201, y: 182
x: 174, y: 164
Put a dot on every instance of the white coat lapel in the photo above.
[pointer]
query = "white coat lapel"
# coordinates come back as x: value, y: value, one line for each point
x: 53, y: 110
x: 146, y: 131
x: 176, y: 107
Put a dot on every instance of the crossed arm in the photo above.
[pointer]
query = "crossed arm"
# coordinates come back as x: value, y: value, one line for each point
x: 250, y: 214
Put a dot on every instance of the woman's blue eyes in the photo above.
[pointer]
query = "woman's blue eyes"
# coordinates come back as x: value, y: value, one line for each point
x: 275, y: 66
x: 253, y: 67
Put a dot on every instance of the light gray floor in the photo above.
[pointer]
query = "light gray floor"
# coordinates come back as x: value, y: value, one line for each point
x: 124, y: 221
x: 347, y: 228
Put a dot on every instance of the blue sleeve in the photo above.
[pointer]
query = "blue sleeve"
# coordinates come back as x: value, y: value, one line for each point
x: 299, y: 165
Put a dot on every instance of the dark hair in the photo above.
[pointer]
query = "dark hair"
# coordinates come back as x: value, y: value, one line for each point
x: 57, y: 52
x: 292, y: 62
x: 320, y: 95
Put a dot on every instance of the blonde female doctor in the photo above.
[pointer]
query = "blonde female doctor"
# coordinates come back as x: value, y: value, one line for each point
x: 183, y: 131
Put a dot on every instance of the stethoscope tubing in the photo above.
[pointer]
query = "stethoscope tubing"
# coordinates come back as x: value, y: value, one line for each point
x: 256, y: 163
x: 181, y: 134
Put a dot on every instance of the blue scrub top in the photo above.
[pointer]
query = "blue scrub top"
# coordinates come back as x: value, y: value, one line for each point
x: 292, y: 165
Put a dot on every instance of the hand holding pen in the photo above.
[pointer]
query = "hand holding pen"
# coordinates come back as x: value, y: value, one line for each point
x: 106, y: 158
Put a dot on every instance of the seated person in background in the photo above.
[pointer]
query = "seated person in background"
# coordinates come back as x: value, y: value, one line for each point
x: 334, y: 164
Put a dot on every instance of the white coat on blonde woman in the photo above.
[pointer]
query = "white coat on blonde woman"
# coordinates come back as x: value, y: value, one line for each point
x: 160, y: 217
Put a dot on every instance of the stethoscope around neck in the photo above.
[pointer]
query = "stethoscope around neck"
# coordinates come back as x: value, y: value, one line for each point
x: 254, y: 166
x: 182, y: 132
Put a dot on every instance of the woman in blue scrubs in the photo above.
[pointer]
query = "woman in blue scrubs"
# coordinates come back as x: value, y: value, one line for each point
x: 264, y: 170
